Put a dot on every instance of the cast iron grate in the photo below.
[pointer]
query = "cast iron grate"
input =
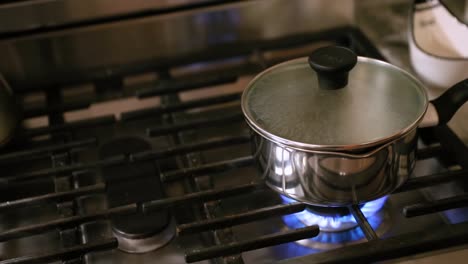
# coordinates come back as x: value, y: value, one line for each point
x: 60, y: 144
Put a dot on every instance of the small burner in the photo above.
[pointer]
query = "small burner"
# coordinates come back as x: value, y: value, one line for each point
x: 133, y: 183
x: 147, y: 242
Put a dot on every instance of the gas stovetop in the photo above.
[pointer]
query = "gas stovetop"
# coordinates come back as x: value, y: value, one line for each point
x: 159, y: 169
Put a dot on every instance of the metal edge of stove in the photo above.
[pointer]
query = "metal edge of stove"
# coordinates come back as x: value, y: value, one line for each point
x: 64, y: 56
x: 53, y: 14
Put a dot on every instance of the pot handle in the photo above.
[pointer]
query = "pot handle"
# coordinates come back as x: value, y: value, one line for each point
x: 450, y: 101
x: 332, y: 65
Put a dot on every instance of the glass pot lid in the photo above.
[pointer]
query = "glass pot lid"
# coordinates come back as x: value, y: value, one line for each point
x: 333, y: 100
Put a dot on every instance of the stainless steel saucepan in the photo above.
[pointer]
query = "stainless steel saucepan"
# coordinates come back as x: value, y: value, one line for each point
x: 336, y: 129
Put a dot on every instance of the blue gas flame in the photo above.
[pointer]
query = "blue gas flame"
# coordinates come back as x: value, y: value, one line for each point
x: 307, y: 218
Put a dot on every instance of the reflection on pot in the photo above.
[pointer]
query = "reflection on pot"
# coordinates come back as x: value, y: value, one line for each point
x: 335, y: 178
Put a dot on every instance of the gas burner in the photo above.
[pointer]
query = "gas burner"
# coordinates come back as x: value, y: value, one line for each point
x: 147, y: 241
x: 334, y: 219
x: 134, y: 183
x: 329, y: 219
x: 337, y: 226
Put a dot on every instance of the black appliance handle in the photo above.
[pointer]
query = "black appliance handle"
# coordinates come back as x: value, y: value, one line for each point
x: 450, y: 101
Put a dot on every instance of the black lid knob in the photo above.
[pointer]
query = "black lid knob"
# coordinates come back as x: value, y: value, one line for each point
x: 332, y: 65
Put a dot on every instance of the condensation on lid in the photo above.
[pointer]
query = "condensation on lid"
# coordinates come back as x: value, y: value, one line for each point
x: 379, y: 102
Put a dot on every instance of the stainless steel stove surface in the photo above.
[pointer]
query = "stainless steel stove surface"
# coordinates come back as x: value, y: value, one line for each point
x: 152, y: 163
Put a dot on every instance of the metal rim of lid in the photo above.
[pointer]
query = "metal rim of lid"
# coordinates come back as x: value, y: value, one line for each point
x: 320, y: 148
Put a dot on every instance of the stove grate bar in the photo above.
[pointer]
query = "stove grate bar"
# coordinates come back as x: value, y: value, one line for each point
x: 252, y: 244
x: 201, y: 196
x: 413, y: 183
x: 208, y: 144
x: 66, y: 253
x: 391, y: 248
x: 47, y: 109
x: 65, y: 222
x: 435, y: 206
x: 180, y: 85
x: 212, y: 143
x: 200, y: 123
x: 207, y: 168
x: 154, y: 111
x: 432, y: 180
x: 363, y: 223
x: 62, y: 171
x: 91, y: 122
x: 56, y: 196
x: 43, y: 151
x: 241, y: 218
x: 429, y: 152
